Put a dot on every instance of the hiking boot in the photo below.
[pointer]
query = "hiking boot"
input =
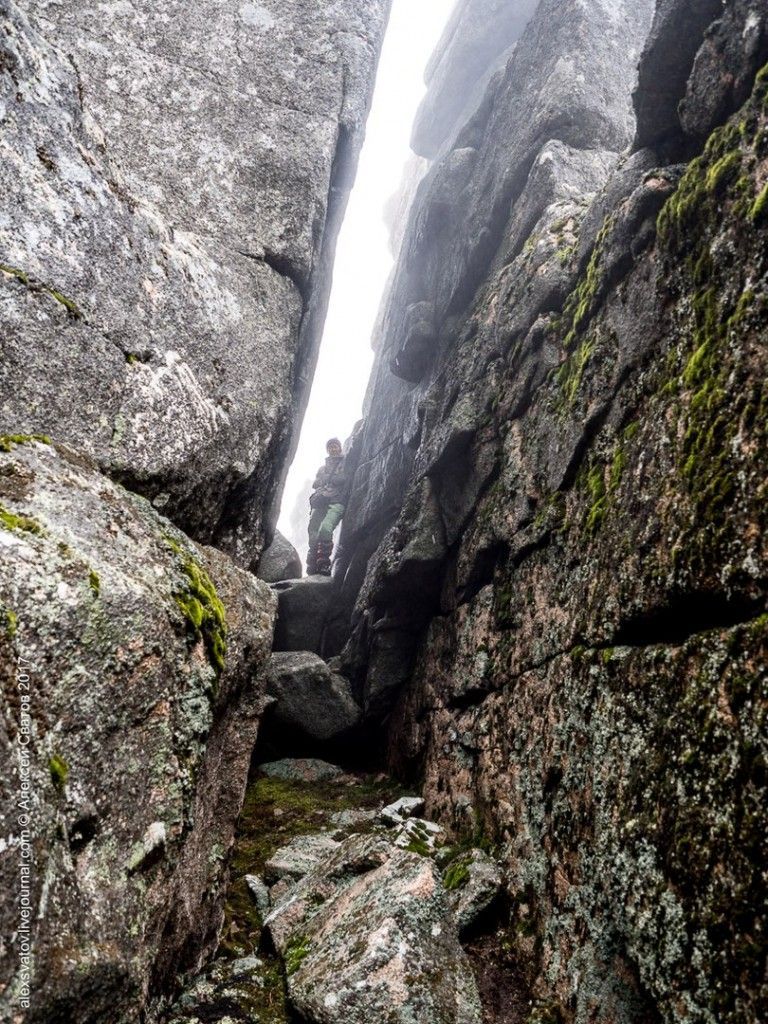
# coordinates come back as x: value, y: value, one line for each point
x: 323, y: 554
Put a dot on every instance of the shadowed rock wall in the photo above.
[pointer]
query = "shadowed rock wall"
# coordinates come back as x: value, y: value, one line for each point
x: 174, y: 179
x: 555, y: 554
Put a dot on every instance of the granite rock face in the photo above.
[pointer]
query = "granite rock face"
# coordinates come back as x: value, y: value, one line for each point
x: 133, y: 662
x: 558, y: 517
x: 367, y: 935
x: 476, y: 39
x: 172, y: 196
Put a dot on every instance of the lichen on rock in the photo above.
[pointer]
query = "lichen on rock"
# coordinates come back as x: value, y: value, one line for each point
x: 585, y: 448
x: 128, y: 724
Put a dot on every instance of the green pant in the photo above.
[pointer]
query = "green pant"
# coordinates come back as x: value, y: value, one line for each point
x: 323, y: 522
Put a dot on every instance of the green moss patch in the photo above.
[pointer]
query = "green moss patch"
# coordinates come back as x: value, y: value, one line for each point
x: 759, y: 209
x: 723, y: 403
x: 580, y: 304
x: 202, y: 608
x: 602, y: 480
x: 22, y: 524
x: 59, y: 770
x: 296, y: 953
x: 9, y: 441
x: 69, y: 305
x: 708, y: 239
x: 456, y: 875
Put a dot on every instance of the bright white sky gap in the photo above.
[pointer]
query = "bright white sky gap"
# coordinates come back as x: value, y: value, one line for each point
x: 363, y: 259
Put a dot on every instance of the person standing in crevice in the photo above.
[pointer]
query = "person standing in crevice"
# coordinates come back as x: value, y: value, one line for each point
x: 327, y: 503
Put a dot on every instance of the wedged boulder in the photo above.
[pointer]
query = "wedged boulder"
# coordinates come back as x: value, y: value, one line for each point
x: 281, y: 561
x: 368, y: 936
x: 132, y: 669
x: 311, y: 702
x: 303, y: 607
x: 181, y: 294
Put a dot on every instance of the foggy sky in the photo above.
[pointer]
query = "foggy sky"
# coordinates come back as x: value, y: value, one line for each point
x: 363, y: 259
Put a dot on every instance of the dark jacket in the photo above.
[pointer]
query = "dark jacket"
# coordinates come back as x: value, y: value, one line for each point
x: 331, y: 485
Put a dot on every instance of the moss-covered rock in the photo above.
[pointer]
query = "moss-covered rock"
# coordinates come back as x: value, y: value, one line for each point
x: 130, y: 718
x: 589, y: 682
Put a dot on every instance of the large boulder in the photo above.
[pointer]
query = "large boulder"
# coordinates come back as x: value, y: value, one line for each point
x: 311, y: 703
x: 303, y: 609
x: 735, y: 49
x: 281, y: 561
x: 132, y: 669
x: 367, y: 935
x: 196, y: 162
x: 675, y: 38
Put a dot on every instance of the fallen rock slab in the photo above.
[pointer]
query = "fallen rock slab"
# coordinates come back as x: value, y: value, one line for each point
x: 301, y: 769
x: 259, y: 891
x: 420, y: 836
x: 368, y: 935
x: 299, y: 857
x: 406, y: 807
x: 311, y: 702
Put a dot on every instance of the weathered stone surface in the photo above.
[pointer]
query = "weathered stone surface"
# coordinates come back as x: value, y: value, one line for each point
x: 301, y: 769
x: 301, y: 856
x: 404, y: 807
x: 230, y: 990
x: 734, y: 51
x: 196, y: 180
x: 421, y: 836
x: 368, y: 936
x: 477, y: 38
x: 676, y: 35
x: 134, y: 662
x: 475, y: 883
x: 303, y: 608
x: 259, y: 892
x: 575, y: 492
x: 281, y: 561
x: 540, y: 163
x: 311, y: 702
